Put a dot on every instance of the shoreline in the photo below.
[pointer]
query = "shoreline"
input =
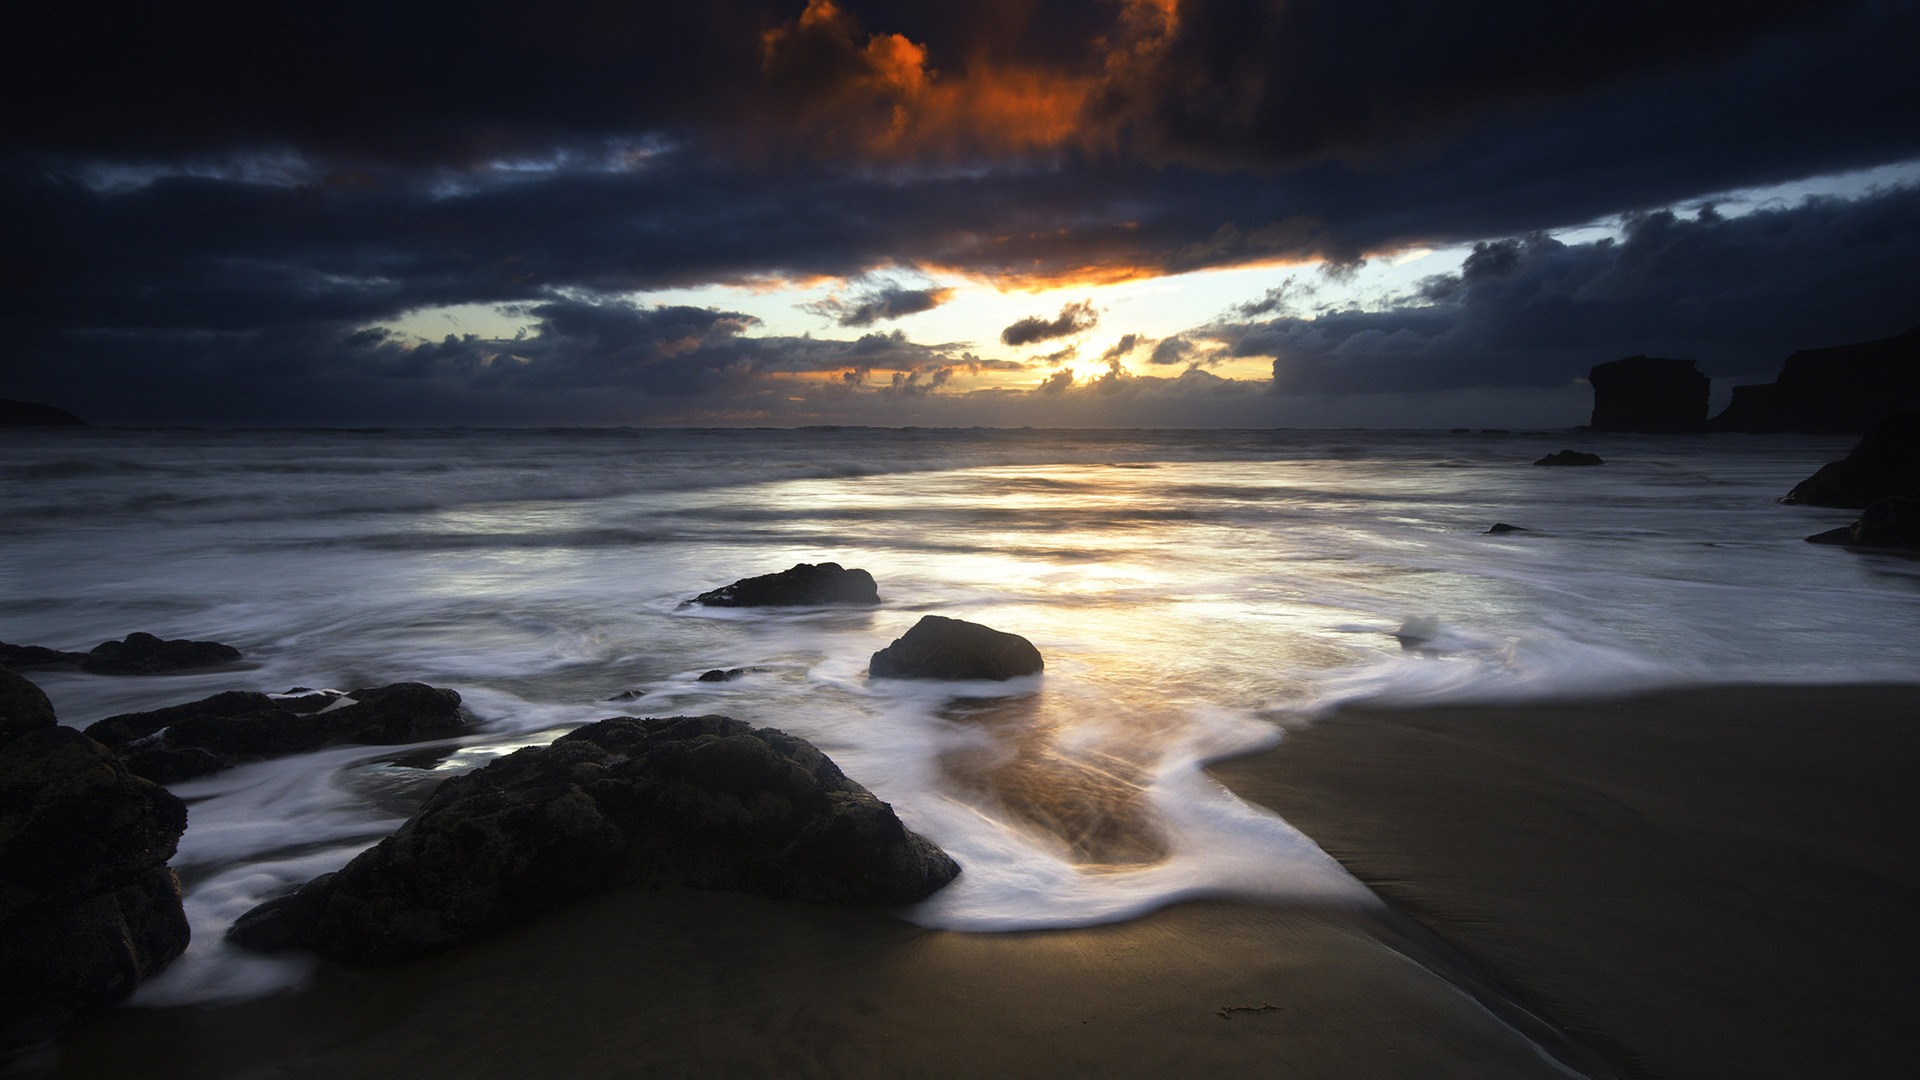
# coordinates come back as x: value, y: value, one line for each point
x: 1704, y: 882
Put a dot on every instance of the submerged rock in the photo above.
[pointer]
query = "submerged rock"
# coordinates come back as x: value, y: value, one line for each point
x: 705, y: 802
x: 200, y: 737
x: 33, y: 414
x: 1571, y: 457
x: 1885, y: 462
x: 941, y: 648
x: 721, y: 674
x: 88, y: 906
x: 37, y: 656
x: 145, y: 654
x: 1887, y: 525
x: 1501, y: 528
x: 805, y: 585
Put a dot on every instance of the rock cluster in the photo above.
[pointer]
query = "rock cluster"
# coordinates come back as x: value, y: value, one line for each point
x: 804, y: 585
x: 137, y: 654
x: 88, y: 905
x: 704, y: 802
x: 184, y: 741
x: 1885, y: 462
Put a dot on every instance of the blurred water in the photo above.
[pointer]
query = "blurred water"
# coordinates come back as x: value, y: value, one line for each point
x: 1186, y: 588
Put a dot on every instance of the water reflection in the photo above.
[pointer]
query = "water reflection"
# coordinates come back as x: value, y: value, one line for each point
x: 1037, y: 771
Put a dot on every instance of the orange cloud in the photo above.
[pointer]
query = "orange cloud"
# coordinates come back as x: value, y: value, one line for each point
x: 838, y: 91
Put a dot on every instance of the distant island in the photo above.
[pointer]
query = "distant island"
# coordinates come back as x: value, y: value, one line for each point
x: 1833, y: 391
x: 32, y: 414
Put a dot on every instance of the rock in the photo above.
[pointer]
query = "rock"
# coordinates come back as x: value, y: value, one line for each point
x: 1891, y: 524
x: 88, y: 905
x: 703, y: 802
x: 1501, y: 528
x: 943, y: 648
x: 23, y: 707
x: 1649, y: 394
x: 805, y: 585
x: 35, y: 656
x: 1571, y: 457
x: 721, y: 674
x: 32, y: 414
x: 144, y: 654
x: 200, y: 737
x: 1885, y: 462
x: 1829, y: 391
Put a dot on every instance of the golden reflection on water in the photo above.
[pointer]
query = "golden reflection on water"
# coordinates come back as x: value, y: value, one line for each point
x: 1090, y: 798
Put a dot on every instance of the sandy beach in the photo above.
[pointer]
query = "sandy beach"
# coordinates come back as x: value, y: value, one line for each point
x: 1715, y: 882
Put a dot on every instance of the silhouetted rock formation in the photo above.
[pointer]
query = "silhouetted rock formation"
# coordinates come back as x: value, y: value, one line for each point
x: 1828, y: 391
x: 941, y: 648
x: 1891, y: 524
x: 1501, y: 528
x: 88, y: 905
x: 1649, y: 394
x: 1571, y: 457
x: 184, y: 741
x: 31, y: 414
x: 705, y: 802
x: 1885, y: 462
x: 145, y: 654
x: 37, y: 656
x: 805, y: 585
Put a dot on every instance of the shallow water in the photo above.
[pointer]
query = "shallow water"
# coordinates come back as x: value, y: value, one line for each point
x: 1188, y: 589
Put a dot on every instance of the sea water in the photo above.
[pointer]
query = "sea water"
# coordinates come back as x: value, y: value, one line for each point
x: 1191, y: 591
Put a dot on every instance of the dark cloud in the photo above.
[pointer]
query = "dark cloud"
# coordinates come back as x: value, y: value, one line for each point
x: 1125, y: 345
x: 1073, y: 319
x: 1736, y: 293
x: 208, y: 204
x: 887, y: 301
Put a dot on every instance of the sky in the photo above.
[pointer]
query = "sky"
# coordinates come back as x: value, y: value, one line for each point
x: 1168, y: 213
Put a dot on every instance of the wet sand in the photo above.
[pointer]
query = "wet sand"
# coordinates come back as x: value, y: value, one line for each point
x: 686, y: 984
x: 1721, y: 882
x: 1710, y: 883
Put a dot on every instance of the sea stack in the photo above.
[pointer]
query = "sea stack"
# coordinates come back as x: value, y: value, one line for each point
x: 1652, y: 394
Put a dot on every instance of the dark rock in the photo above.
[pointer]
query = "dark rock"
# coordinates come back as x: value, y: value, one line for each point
x: 1501, y: 528
x: 88, y: 906
x: 704, y: 802
x: 943, y: 648
x: 23, y: 707
x: 1830, y: 391
x: 1891, y: 524
x: 1649, y: 394
x: 32, y: 414
x: 184, y: 741
x: 805, y: 585
x: 1885, y: 462
x: 722, y: 674
x: 1571, y: 457
x: 36, y: 656
x: 144, y: 654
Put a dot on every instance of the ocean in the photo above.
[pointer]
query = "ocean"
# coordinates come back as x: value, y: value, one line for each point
x: 1194, y: 593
